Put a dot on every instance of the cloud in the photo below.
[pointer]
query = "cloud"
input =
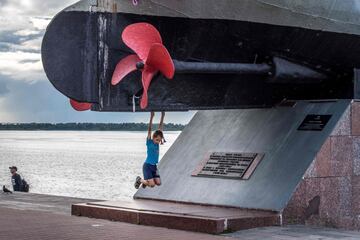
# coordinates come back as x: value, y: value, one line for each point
x: 29, y: 15
x: 10, y: 42
x: 40, y: 22
x: 22, y: 65
x: 20, y: 55
x: 3, y: 2
x: 22, y: 26
x: 3, y: 88
x: 26, y: 32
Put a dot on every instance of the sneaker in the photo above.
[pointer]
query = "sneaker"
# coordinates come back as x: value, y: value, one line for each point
x: 137, y: 182
x: 143, y: 186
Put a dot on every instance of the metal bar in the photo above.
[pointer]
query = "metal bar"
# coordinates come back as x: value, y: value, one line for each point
x: 230, y: 68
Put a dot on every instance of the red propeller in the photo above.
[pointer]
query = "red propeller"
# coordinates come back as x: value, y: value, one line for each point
x: 150, y: 58
x: 80, y: 106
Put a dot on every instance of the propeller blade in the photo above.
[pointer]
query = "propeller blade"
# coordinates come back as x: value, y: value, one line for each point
x: 160, y: 59
x: 139, y: 37
x: 124, y: 67
x: 80, y: 106
x: 147, y: 75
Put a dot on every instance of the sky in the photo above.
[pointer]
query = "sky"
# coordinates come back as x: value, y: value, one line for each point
x: 25, y: 93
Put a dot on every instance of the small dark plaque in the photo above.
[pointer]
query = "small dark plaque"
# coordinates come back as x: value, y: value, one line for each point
x: 227, y: 165
x: 313, y: 122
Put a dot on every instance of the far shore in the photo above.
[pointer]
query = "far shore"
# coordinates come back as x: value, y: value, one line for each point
x: 85, y: 127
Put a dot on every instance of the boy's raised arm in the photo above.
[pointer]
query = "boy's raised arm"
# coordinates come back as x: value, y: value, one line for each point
x: 150, y: 124
x: 161, y: 121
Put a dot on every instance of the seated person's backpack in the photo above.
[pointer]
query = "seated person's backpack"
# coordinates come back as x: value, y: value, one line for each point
x: 24, y: 186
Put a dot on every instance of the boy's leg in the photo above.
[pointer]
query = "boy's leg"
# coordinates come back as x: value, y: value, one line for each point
x: 147, y: 175
x: 149, y: 172
x: 157, y: 181
x: 148, y: 182
x: 157, y: 177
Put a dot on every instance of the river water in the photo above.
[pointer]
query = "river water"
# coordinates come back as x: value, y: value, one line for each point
x: 88, y: 164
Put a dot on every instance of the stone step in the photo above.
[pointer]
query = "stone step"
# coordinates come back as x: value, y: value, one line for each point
x: 190, y: 217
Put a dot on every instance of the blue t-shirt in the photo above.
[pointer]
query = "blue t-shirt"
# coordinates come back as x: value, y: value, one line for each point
x: 152, y: 152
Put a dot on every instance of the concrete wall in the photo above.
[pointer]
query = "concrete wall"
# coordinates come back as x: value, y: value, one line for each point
x: 329, y: 193
x: 288, y: 154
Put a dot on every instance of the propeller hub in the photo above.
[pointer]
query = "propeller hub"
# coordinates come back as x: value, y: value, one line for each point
x: 140, y: 65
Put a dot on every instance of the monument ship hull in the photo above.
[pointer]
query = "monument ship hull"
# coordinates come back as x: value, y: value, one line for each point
x: 310, y: 49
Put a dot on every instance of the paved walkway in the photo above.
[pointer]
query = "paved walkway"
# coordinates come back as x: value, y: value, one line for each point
x: 40, y: 202
x: 296, y: 232
x: 39, y: 225
x: 43, y: 217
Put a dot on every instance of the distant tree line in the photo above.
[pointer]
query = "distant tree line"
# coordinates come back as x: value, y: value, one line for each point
x: 88, y: 126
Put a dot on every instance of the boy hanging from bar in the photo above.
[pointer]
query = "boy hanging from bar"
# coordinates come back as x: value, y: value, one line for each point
x: 150, y: 170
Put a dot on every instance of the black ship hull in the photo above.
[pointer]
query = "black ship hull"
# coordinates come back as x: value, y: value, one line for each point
x: 81, y: 49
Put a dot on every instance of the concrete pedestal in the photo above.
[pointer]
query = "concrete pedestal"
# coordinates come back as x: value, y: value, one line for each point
x: 309, y: 176
x: 190, y: 217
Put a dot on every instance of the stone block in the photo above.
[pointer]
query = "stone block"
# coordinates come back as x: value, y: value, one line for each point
x: 343, y: 127
x: 355, y: 198
x: 182, y: 222
x: 341, y: 160
x: 356, y: 155
x: 320, y: 167
x: 345, y: 196
x: 252, y: 222
x: 355, y: 118
x: 330, y: 200
x: 294, y: 213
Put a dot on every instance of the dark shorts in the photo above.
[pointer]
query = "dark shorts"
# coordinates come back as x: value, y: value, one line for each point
x: 150, y: 171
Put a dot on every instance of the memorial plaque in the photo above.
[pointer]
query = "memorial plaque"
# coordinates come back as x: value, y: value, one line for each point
x: 228, y: 165
x: 313, y: 122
